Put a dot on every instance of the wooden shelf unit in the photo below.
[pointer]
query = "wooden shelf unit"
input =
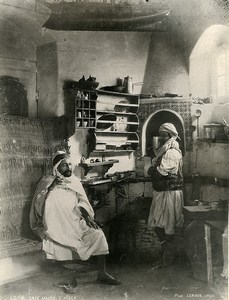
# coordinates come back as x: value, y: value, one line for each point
x: 117, y: 121
x: 85, y: 108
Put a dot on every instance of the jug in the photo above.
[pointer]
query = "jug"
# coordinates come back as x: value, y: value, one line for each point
x: 128, y: 86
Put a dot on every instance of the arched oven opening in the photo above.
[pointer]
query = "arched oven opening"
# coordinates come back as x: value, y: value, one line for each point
x: 150, y: 132
x: 153, y: 123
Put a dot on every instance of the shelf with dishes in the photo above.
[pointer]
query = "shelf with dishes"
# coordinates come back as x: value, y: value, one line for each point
x: 110, y: 112
x: 85, y: 109
x: 101, y: 167
x: 115, y: 140
x: 85, y: 117
x: 116, y: 122
x: 117, y: 102
x: 92, y: 164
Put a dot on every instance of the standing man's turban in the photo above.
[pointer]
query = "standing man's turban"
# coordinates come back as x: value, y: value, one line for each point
x: 170, y: 129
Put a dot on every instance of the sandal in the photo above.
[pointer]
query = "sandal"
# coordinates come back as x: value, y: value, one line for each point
x: 69, y: 288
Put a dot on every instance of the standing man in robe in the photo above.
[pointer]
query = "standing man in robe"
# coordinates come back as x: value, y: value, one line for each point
x: 166, y: 209
x: 63, y: 218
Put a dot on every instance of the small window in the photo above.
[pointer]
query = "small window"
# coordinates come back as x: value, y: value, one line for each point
x: 209, y: 65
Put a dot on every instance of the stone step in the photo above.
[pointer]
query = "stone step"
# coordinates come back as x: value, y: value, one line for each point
x: 18, y: 246
x: 21, y: 266
x: 19, y: 259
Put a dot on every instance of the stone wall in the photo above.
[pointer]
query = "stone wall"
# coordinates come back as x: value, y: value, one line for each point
x: 26, y: 149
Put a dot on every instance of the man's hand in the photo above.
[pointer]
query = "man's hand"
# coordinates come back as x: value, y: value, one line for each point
x: 41, y: 233
x: 91, y: 223
x: 154, y: 162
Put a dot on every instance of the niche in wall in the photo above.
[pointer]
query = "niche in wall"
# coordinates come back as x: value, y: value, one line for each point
x: 150, y: 130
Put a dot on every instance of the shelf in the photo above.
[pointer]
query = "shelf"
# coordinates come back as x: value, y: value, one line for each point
x: 116, y: 132
x: 114, y: 93
x: 121, y: 104
x: 117, y: 139
x: 112, y: 151
x: 85, y: 111
x: 203, y: 213
x: 85, y: 99
x: 116, y: 122
x: 127, y: 105
x: 84, y: 108
x: 101, y: 167
x: 86, y: 118
x: 117, y: 103
x: 95, y: 182
x: 115, y: 112
x: 101, y: 163
x: 85, y: 122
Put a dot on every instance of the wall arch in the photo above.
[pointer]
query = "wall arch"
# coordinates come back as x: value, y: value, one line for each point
x: 204, y: 69
x: 154, y: 121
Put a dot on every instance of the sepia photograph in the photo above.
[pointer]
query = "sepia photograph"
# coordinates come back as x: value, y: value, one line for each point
x: 114, y: 149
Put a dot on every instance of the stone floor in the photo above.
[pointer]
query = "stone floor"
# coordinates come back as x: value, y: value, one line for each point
x: 140, y: 281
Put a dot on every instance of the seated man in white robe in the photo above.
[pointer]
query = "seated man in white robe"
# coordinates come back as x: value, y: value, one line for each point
x: 63, y: 218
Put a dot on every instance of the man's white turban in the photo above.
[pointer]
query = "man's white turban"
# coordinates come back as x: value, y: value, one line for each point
x: 170, y: 129
x: 60, y: 155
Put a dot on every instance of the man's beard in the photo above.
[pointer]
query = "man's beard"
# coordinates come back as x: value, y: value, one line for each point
x: 67, y: 173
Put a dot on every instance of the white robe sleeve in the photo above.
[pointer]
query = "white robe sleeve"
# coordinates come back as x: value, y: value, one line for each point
x: 169, y: 163
x: 77, y: 186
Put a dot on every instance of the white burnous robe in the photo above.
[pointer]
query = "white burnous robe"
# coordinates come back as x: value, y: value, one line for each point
x: 67, y: 234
